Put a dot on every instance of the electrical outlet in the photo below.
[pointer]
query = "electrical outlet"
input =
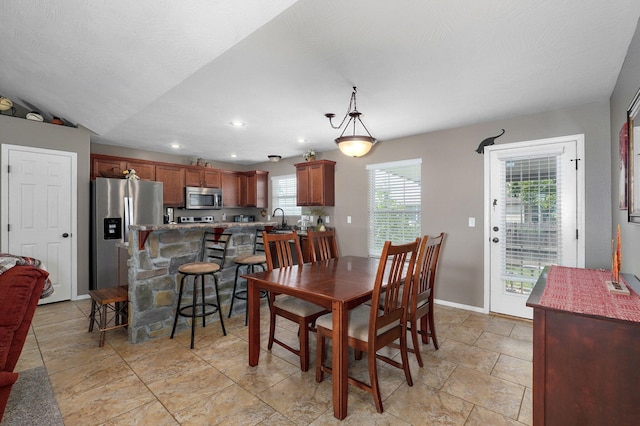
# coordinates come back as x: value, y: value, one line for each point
x: 326, y: 219
x: 472, y: 222
x: 348, y: 219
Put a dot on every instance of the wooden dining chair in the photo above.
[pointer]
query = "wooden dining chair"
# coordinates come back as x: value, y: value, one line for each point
x: 322, y: 245
x: 285, y: 250
x: 372, y: 328
x: 421, y: 300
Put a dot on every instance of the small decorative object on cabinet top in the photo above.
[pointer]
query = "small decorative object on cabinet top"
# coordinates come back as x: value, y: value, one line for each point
x: 57, y: 120
x: 130, y: 174
x: 310, y: 155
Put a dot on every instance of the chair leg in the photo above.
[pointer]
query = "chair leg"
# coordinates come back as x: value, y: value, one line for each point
x: 272, y: 328
x: 92, y: 316
x: 405, y: 357
x: 373, y: 377
x: 175, y: 320
x: 432, y: 329
x: 233, y: 293
x: 416, y: 343
x: 103, y: 325
x: 194, y: 300
x: 303, y: 332
x: 215, y: 286
x: 320, y: 353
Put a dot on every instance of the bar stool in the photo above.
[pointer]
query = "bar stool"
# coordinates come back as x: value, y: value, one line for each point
x: 257, y: 258
x: 105, y: 301
x: 214, y: 253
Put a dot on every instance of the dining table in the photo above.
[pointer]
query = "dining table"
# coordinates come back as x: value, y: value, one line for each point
x: 338, y: 285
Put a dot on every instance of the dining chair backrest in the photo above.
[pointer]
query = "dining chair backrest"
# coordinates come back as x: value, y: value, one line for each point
x: 395, y: 270
x: 425, y: 270
x: 279, y: 251
x: 214, y: 247
x: 323, y: 245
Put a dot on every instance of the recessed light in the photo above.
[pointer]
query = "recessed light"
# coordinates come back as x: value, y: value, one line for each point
x: 176, y: 145
x: 301, y: 140
x: 237, y: 124
x: 234, y: 156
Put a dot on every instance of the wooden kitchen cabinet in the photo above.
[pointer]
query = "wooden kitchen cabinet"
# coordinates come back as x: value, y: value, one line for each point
x: 195, y: 176
x: 104, y: 166
x: 144, y: 170
x: 230, y: 189
x: 254, y: 188
x: 315, y: 183
x: 173, y: 183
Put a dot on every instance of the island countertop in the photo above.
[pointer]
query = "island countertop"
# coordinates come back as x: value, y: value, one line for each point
x: 172, y: 226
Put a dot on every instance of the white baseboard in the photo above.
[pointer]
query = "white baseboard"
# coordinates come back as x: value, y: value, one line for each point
x: 460, y: 306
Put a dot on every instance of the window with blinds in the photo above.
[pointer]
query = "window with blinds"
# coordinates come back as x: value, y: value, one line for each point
x: 283, y: 194
x: 531, y: 219
x: 394, y: 203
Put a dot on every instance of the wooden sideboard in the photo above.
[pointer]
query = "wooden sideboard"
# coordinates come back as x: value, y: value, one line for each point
x: 586, y: 368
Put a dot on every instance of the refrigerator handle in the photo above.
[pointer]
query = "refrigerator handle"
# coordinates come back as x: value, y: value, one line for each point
x: 128, y: 217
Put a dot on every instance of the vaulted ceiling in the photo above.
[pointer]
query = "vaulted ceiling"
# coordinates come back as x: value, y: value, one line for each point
x: 152, y: 73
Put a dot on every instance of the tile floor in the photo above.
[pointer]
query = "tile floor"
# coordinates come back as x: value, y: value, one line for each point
x: 481, y: 375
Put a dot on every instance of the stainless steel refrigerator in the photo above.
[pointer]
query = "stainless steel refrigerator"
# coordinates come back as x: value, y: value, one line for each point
x: 116, y: 204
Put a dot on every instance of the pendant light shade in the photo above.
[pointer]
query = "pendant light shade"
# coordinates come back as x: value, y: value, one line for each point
x: 353, y: 145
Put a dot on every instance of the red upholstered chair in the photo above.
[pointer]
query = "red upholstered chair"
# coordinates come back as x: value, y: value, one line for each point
x: 20, y: 289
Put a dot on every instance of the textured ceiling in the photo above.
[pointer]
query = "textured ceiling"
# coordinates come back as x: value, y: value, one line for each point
x: 149, y: 73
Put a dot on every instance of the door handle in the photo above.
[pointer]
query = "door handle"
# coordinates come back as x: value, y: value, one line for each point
x: 65, y: 235
x: 495, y: 239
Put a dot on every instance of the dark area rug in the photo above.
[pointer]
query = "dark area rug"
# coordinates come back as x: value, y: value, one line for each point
x: 31, y: 401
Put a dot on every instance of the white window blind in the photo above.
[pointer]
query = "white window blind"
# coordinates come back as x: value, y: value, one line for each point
x: 283, y: 194
x: 531, y: 219
x: 394, y: 203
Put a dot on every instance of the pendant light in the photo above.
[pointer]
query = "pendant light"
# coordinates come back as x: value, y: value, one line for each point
x: 352, y: 145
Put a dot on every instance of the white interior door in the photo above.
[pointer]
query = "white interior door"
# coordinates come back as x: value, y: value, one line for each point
x: 39, y: 212
x: 534, y: 216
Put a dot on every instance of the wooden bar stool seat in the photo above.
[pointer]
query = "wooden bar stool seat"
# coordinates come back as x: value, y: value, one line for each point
x: 110, y: 305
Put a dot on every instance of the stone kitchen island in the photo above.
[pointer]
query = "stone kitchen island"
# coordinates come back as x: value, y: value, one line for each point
x: 155, y: 254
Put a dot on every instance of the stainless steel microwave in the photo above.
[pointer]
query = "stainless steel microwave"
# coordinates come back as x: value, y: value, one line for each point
x: 203, y: 198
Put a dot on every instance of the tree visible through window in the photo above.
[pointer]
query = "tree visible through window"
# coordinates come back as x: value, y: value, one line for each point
x: 283, y: 194
x: 394, y: 203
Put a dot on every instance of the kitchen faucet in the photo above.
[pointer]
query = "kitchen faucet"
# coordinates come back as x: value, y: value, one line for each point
x: 274, y: 216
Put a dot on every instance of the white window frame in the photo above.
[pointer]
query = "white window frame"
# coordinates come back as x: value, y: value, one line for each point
x: 283, y: 194
x: 407, y: 191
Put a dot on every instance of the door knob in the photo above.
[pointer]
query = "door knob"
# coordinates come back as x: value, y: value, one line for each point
x: 65, y: 235
x: 495, y: 239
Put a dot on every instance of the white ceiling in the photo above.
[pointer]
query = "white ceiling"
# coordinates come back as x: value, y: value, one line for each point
x: 149, y: 73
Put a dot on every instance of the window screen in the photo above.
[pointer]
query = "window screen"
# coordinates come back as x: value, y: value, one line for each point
x: 283, y: 194
x: 394, y: 203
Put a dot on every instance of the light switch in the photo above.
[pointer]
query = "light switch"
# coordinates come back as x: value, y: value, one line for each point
x: 472, y: 222
x: 348, y: 219
x: 326, y: 219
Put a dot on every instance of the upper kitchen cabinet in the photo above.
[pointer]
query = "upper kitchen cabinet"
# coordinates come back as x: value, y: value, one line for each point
x: 173, y: 183
x: 208, y: 178
x: 144, y: 170
x: 253, y: 189
x: 315, y: 183
x: 230, y: 188
x: 106, y: 166
x: 112, y: 167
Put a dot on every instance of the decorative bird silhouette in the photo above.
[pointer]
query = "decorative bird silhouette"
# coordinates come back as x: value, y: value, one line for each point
x: 487, y: 142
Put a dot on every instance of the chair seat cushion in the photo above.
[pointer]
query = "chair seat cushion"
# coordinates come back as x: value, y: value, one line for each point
x: 358, y: 323
x: 199, y: 268
x: 297, y: 306
x: 252, y: 259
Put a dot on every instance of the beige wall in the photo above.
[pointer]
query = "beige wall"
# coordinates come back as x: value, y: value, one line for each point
x: 626, y: 87
x: 453, y: 185
x: 18, y: 131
